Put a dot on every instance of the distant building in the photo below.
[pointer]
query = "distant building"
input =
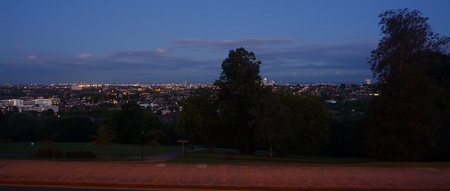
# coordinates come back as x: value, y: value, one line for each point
x: 28, y: 104
x: 76, y: 87
x: 368, y: 81
x: 15, y: 102
x: 330, y: 101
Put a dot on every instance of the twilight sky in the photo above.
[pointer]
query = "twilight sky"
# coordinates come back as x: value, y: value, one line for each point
x: 149, y: 41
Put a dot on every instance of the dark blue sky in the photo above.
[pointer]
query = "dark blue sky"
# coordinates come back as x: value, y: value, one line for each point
x: 146, y: 41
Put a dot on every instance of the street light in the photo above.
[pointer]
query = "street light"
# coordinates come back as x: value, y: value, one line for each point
x: 142, y: 144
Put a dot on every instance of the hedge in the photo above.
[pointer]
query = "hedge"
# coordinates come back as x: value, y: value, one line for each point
x: 48, y: 153
x: 80, y: 154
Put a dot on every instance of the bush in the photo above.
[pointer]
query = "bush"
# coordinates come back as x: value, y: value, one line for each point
x: 48, y: 153
x: 80, y: 154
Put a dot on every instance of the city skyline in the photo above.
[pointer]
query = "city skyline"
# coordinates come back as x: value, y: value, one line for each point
x: 171, y: 41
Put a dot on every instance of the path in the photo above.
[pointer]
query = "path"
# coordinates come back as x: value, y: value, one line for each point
x: 224, y: 177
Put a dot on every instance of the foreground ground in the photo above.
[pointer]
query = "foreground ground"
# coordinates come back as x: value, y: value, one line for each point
x: 150, y: 175
x: 223, y: 170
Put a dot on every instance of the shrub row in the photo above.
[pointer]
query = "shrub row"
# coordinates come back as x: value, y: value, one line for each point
x: 48, y: 153
x: 56, y: 153
x: 80, y: 154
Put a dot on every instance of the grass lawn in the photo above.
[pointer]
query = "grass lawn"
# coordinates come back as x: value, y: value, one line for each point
x: 227, y: 156
x: 124, y: 152
x: 117, y: 150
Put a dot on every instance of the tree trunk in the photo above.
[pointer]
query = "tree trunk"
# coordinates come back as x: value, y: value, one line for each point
x: 270, y: 151
x: 109, y: 155
x: 211, y: 149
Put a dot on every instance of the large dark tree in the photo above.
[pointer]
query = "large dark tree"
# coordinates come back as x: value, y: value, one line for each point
x: 106, y: 135
x: 199, y: 119
x: 271, y: 123
x: 404, y: 123
x: 130, y: 123
x: 25, y: 127
x: 441, y: 73
x: 5, y: 130
x: 347, y: 137
x: 239, y: 91
x: 310, y: 120
x: 69, y: 129
x: 77, y: 129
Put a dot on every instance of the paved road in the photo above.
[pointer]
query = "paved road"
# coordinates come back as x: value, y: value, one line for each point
x: 202, y: 176
x: 47, y: 188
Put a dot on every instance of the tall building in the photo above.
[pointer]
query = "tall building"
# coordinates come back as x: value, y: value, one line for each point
x: 265, y: 81
x: 368, y: 81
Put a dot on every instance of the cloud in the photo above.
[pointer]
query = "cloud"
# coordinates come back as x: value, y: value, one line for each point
x: 160, y: 50
x: 32, y: 57
x: 259, y: 41
x: 219, y: 45
x: 144, y: 60
x: 85, y: 56
x: 282, y: 60
x: 137, y: 53
x: 314, y: 62
x: 325, y: 56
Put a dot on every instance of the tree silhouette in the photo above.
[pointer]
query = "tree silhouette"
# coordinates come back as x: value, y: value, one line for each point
x: 106, y: 135
x: 310, y: 120
x: 403, y: 123
x: 239, y: 91
x: 271, y: 123
x: 198, y: 119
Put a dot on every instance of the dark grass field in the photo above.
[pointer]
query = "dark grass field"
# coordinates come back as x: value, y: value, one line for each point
x: 118, y: 150
x: 126, y: 152
x: 229, y: 156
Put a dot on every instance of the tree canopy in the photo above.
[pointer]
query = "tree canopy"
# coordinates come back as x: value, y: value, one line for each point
x: 246, y: 115
x: 130, y: 122
x: 271, y: 123
x: 25, y: 127
x: 239, y: 88
x: 403, y: 123
x: 310, y: 121
x: 199, y: 119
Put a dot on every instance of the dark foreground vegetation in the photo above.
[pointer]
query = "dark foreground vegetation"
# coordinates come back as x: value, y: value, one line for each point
x: 407, y: 121
x: 126, y: 152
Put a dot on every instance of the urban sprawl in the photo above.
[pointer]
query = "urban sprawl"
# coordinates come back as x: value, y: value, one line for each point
x: 163, y: 99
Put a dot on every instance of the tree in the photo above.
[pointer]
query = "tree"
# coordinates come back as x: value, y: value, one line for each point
x: 441, y: 74
x: 150, y: 122
x: 155, y: 137
x: 129, y: 122
x: 271, y: 123
x: 5, y: 130
x: 198, y: 119
x: 106, y: 135
x: 76, y: 129
x: 403, y: 123
x: 152, y: 128
x: 239, y: 91
x: 310, y: 120
x: 52, y: 145
x: 347, y: 137
x: 25, y: 126
x: 62, y: 113
x: 48, y: 112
